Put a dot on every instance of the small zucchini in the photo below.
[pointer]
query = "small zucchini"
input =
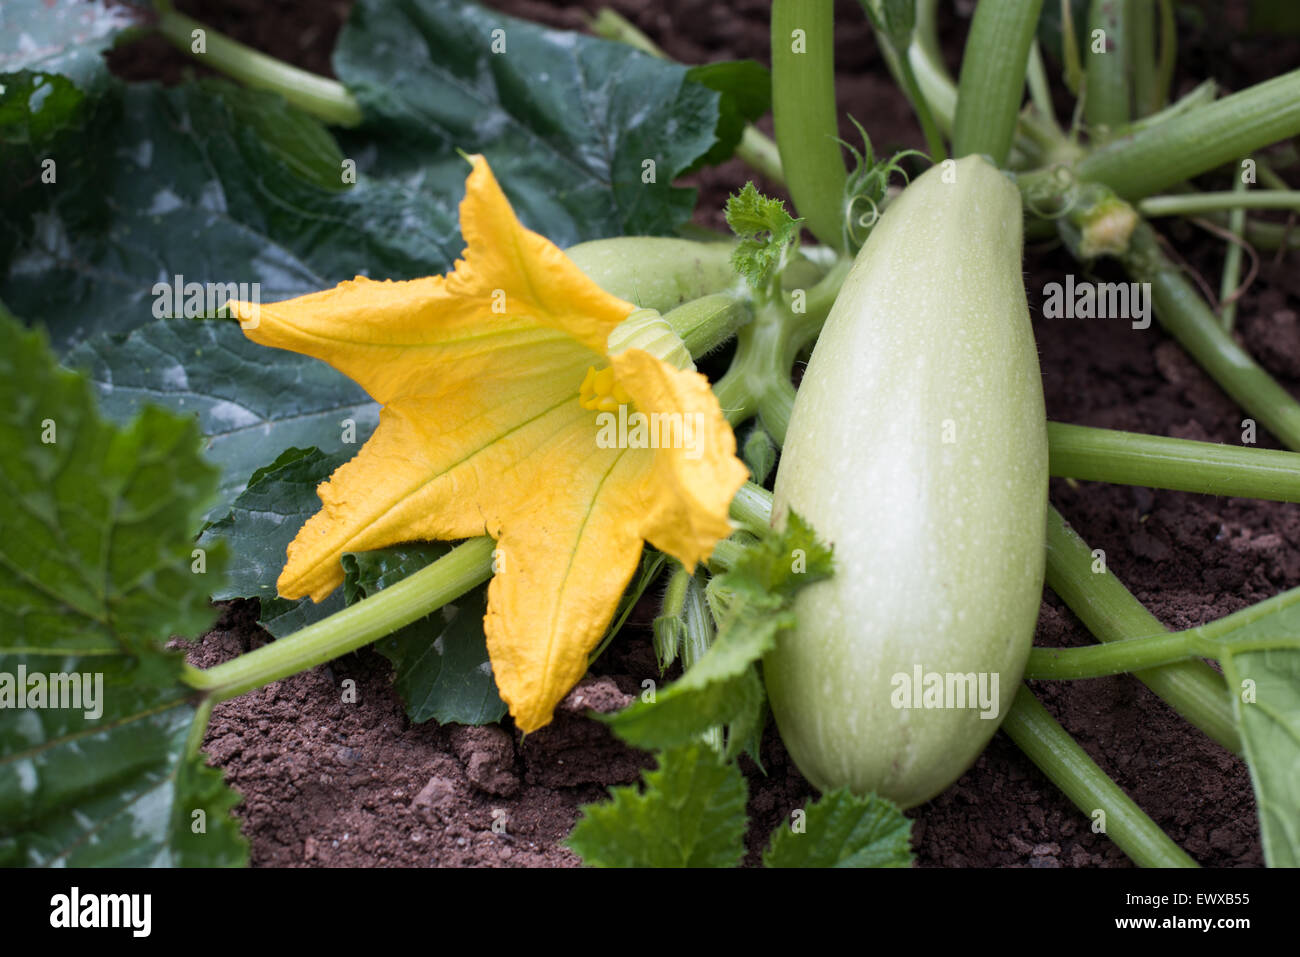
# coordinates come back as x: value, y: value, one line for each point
x: 918, y: 448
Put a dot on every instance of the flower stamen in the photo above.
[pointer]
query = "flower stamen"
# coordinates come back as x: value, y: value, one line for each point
x: 601, y: 392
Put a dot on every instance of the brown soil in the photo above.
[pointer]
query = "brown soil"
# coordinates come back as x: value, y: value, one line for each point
x: 330, y: 782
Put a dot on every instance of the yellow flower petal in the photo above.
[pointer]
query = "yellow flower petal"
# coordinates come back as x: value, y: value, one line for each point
x: 564, y: 556
x: 513, y: 291
x: 694, y: 479
x: 434, y: 469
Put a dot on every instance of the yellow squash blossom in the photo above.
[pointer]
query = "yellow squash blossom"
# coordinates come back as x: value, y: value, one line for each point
x: 497, y: 389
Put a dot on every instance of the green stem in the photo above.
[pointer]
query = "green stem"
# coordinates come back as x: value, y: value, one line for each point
x: 1107, y: 94
x: 1068, y: 766
x: 1183, y: 312
x: 933, y: 80
x: 804, y: 114
x: 706, y: 323
x: 1154, y: 461
x: 370, y: 619
x: 1168, y: 50
x: 1263, y: 236
x: 758, y: 151
x: 199, y: 725
x: 1149, y: 160
x: 1074, y: 76
x: 1134, y: 654
x: 1268, y: 176
x: 759, y: 377
x: 992, y: 82
x: 1200, y: 95
x: 1040, y: 92
x: 1118, y: 657
x: 752, y: 507
x: 1143, y: 57
x: 1239, y: 198
x: 924, y: 115
x: 321, y: 97
x: 1231, y: 277
x: 1111, y: 613
x: 612, y: 25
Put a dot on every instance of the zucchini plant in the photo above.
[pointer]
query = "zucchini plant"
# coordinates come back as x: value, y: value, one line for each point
x: 444, y: 367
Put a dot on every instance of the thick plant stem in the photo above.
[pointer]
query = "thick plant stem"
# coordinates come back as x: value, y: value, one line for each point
x: 1090, y: 789
x: 706, y: 323
x: 1200, y: 95
x: 1194, y: 204
x: 992, y: 82
x: 804, y: 114
x: 1181, y: 310
x: 752, y: 506
x: 324, y: 98
x: 1144, y: 58
x: 1168, y: 50
x: 1111, y: 613
x: 1107, y: 85
x: 1152, y: 159
x: 1155, y: 461
x: 370, y: 619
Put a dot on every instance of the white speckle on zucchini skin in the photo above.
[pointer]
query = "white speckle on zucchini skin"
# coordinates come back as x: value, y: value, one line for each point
x: 938, y: 544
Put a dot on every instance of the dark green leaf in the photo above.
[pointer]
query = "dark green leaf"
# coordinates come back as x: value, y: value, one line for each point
x: 440, y: 662
x: 843, y: 830
x: 262, y: 522
x: 690, y: 814
x: 96, y: 542
x: 188, y: 186
x: 566, y: 121
x: 746, y: 94
x: 250, y: 400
